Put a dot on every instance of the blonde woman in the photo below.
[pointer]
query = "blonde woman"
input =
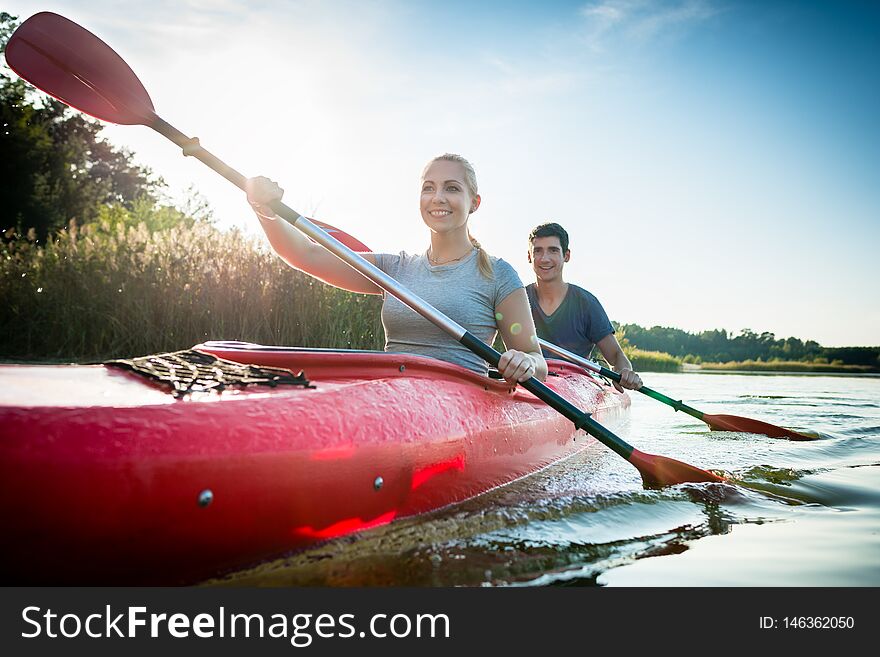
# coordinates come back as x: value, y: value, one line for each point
x: 455, y: 275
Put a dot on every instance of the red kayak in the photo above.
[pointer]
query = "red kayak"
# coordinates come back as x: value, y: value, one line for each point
x: 109, y: 477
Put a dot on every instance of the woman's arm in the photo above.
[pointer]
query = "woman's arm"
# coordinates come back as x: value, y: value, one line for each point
x: 299, y: 251
x: 523, y: 358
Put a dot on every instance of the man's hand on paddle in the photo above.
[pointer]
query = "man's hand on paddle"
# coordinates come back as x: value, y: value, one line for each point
x: 628, y: 379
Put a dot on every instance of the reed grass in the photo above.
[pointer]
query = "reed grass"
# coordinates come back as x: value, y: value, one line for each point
x: 111, y: 289
x: 652, y: 361
x: 787, y: 366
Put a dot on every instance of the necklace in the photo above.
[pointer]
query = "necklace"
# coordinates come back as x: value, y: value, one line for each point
x: 446, y: 262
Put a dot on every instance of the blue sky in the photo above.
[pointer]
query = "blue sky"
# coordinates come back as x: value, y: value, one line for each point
x: 715, y: 162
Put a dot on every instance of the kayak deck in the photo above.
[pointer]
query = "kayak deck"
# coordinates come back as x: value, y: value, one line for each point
x: 134, y: 486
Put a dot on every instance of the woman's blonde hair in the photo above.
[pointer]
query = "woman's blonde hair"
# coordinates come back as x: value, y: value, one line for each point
x: 470, y: 179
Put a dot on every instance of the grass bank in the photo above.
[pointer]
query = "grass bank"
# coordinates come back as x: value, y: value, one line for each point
x: 787, y: 366
x: 652, y: 361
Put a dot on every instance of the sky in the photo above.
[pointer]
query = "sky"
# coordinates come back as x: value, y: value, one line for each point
x: 716, y: 163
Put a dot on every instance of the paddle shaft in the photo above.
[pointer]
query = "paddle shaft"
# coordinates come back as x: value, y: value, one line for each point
x: 604, y: 371
x: 580, y: 419
x: 193, y: 148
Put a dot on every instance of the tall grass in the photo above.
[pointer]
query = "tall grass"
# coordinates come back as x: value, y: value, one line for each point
x: 646, y: 361
x: 652, y: 361
x: 110, y: 290
x: 787, y: 366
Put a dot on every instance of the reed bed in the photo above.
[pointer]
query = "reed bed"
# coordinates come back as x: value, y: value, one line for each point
x: 787, y: 366
x: 107, y: 291
x: 652, y: 361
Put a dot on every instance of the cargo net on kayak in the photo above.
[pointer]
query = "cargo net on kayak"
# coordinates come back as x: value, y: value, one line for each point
x: 192, y: 371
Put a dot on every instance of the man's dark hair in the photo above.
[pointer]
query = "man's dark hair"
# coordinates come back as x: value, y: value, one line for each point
x: 551, y: 230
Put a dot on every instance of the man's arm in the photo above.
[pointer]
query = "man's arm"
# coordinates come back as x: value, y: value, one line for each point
x: 610, y: 348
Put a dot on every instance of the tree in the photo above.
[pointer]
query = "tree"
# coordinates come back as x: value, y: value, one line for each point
x: 53, y: 166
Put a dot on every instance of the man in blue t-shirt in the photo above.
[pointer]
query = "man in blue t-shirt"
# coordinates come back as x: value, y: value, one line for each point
x: 567, y: 315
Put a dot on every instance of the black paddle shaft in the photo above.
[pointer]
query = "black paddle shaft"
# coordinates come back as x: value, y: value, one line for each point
x: 581, y: 419
x: 614, y: 376
x: 678, y: 405
x: 192, y: 147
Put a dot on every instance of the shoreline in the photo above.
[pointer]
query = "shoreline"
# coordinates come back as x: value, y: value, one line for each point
x: 698, y: 369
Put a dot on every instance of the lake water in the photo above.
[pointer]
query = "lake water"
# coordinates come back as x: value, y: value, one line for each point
x: 798, y: 514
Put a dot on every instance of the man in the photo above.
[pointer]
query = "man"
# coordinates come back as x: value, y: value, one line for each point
x: 567, y: 315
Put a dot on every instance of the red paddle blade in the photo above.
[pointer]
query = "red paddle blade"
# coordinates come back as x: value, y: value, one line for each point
x: 664, y: 471
x: 76, y: 67
x: 744, y: 424
x: 351, y: 242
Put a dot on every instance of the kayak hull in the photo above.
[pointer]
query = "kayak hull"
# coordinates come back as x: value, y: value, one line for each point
x: 118, y: 482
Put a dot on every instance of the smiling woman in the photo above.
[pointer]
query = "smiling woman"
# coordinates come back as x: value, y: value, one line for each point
x: 455, y: 275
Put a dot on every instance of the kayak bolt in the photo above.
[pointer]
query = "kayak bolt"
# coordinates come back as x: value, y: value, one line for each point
x: 377, y: 484
x: 205, y: 498
x: 402, y: 368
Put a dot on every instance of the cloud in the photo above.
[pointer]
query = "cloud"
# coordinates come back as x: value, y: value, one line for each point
x: 639, y: 22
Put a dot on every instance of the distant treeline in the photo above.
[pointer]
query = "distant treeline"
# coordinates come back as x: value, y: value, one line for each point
x: 719, y: 346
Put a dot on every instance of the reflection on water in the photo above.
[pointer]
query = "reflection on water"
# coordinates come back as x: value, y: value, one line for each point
x: 795, y: 514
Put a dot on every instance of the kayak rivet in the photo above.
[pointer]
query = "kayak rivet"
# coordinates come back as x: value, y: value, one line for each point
x: 377, y: 484
x: 206, y: 497
x: 402, y: 368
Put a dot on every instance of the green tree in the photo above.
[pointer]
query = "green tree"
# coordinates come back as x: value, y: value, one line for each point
x: 53, y: 165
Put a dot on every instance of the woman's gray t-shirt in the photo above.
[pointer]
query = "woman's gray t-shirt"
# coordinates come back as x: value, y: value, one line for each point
x: 458, y: 290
